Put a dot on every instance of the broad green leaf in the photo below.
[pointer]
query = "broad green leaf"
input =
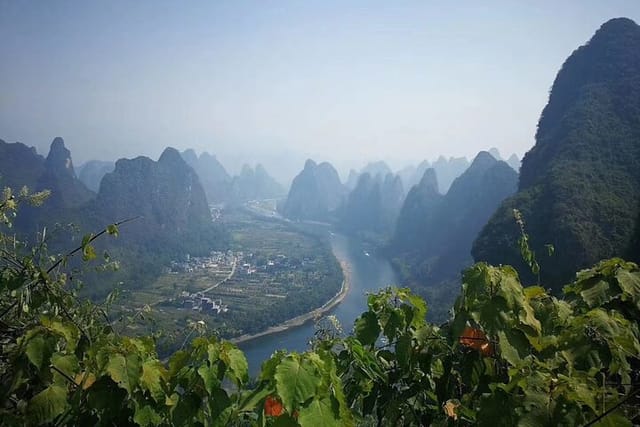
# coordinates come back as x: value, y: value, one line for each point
x: 296, y: 381
x: 209, y: 375
x: 367, y: 328
x: 35, y: 350
x: 420, y: 307
x: 152, y: 378
x: 596, y: 294
x: 147, y: 416
x: 319, y: 413
x: 403, y: 351
x: 284, y: 420
x: 268, y: 368
x: 393, y: 322
x: 125, y: 371
x: 47, y: 405
x: 237, y: 362
x: 614, y: 419
x: 629, y: 283
x: 512, y: 346
x: 69, y: 331
x: 534, y: 292
x: 221, y: 408
x: 67, y: 364
x: 178, y: 360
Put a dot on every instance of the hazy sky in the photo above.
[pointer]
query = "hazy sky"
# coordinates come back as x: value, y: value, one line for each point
x: 344, y: 81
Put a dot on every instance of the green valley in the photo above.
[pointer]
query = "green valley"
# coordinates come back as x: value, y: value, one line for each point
x: 273, y: 270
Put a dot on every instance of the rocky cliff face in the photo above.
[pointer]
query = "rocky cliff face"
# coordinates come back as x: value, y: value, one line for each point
x: 580, y: 184
x: 166, y: 194
x: 59, y: 176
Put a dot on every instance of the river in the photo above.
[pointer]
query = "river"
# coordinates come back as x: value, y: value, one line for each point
x: 367, y: 273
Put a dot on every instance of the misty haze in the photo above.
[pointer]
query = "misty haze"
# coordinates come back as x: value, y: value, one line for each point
x: 320, y: 213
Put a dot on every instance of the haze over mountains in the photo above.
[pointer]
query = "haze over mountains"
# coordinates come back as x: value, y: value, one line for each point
x: 579, y: 188
x: 442, y: 281
x: 434, y: 233
x: 315, y: 193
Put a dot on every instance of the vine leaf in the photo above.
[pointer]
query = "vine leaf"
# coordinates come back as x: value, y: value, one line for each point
x: 296, y: 381
x: 319, y: 413
x: 151, y: 379
x: 124, y: 371
x: 237, y: 363
x: 47, y: 405
x: 146, y: 416
x: 367, y: 328
x: 35, y: 350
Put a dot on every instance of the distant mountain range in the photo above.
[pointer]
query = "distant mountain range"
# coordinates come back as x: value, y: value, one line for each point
x: 220, y: 187
x: 578, y: 188
x: 23, y: 166
x: 165, y: 196
x: 434, y: 232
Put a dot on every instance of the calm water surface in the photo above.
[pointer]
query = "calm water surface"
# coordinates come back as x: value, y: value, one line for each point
x: 368, y: 273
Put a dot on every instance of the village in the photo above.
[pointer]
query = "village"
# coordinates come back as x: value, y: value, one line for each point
x: 230, y: 275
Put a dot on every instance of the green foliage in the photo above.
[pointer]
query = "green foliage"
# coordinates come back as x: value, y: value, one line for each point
x: 509, y: 355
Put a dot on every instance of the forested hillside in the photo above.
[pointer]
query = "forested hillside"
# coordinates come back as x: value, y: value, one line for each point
x: 434, y: 233
x: 579, y: 185
x: 315, y: 193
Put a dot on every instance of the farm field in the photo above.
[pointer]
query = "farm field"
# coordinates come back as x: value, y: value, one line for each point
x: 272, y: 271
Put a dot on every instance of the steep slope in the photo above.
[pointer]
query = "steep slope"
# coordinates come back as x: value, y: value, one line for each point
x: 315, y: 193
x: 417, y: 213
x: 434, y: 233
x: 59, y: 176
x: 167, y: 194
x: 361, y: 210
x: 580, y: 184
x: 19, y: 165
x: 392, y: 195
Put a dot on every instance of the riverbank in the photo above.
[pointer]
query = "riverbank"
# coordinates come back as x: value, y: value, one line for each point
x: 306, y: 317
